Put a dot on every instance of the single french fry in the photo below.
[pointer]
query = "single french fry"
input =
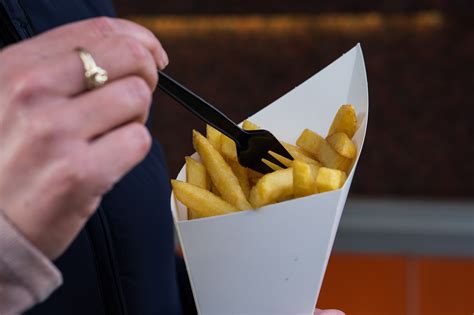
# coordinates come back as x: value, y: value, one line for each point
x: 320, y: 149
x: 248, y: 125
x: 342, y: 144
x: 220, y: 172
x: 203, y: 202
x: 345, y: 121
x: 242, y: 175
x: 214, y: 189
x: 196, y: 174
x: 214, y: 136
x: 330, y: 179
x: 228, y: 148
x: 272, y: 187
x: 304, y: 178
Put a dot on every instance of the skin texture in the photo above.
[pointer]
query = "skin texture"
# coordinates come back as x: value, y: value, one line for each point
x: 62, y: 147
x: 328, y: 312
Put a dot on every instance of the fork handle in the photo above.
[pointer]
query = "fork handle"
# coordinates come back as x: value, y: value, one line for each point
x: 199, y: 106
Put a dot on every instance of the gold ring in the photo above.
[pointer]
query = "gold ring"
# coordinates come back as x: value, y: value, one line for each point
x: 95, y: 76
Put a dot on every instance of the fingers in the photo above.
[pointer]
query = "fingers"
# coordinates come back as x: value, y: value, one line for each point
x: 67, y: 38
x: 114, y: 154
x: 113, y: 105
x: 328, y: 312
x: 120, y: 56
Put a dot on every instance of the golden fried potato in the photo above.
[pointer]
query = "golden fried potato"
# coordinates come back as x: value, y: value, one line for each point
x: 214, y: 189
x: 330, y: 179
x: 214, y: 136
x: 203, y: 202
x: 345, y: 121
x: 248, y: 125
x: 196, y: 174
x: 254, y: 176
x: 242, y: 175
x: 343, y: 145
x: 220, y: 172
x: 304, y: 178
x: 320, y: 149
x: 228, y: 148
x: 272, y: 187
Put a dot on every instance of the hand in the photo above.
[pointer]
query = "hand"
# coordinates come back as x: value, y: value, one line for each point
x: 328, y: 312
x: 62, y: 147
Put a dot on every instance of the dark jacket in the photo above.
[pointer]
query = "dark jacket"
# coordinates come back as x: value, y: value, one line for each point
x: 123, y: 261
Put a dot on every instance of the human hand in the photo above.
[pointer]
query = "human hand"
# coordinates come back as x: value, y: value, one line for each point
x: 62, y: 147
x: 328, y: 312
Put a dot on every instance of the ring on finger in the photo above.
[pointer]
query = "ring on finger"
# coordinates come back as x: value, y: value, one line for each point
x: 94, y: 75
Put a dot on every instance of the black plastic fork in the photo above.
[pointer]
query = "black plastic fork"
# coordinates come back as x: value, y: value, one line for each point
x: 252, y: 146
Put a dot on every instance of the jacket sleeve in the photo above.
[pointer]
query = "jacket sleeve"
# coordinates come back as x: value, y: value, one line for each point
x: 27, y: 277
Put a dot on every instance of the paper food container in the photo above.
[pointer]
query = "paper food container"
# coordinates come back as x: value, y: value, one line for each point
x: 272, y: 260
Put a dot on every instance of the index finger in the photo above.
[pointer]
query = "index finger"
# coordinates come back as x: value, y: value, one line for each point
x: 71, y: 36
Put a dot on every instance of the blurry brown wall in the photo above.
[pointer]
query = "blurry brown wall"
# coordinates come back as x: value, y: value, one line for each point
x: 286, y: 6
x: 419, y: 57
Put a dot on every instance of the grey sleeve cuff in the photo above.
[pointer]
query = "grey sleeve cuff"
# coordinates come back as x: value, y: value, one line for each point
x: 27, y: 277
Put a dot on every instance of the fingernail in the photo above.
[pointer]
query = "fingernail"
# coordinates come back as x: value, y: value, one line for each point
x: 164, y: 59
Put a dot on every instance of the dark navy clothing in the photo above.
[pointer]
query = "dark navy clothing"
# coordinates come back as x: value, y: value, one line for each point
x: 123, y: 261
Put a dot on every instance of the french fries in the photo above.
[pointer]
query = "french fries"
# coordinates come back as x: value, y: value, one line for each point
x: 304, y: 178
x: 342, y: 144
x: 242, y: 175
x: 320, y: 149
x: 298, y: 154
x: 220, y: 185
x: 254, y: 176
x: 345, y: 121
x: 196, y: 175
x: 248, y: 125
x: 272, y: 187
x: 214, y: 136
x: 221, y: 174
x: 330, y: 179
x: 228, y: 148
x: 203, y: 202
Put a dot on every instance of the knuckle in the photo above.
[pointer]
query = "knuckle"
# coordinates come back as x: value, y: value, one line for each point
x: 45, y: 127
x: 40, y: 128
x: 104, y: 25
x: 141, y: 139
x: 26, y: 86
x: 136, y: 49
x: 72, y: 175
x: 139, y: 91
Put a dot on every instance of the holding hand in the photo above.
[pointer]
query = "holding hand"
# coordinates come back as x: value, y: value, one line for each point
x: 328, y: 312
x: 63, y: 146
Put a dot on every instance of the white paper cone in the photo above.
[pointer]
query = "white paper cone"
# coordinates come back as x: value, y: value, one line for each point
x: 272, y: 261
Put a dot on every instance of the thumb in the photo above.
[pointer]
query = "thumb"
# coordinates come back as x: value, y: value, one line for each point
x: 328, y: 312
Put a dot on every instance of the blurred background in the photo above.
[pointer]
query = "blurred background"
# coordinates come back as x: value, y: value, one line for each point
x: 406, y: 241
